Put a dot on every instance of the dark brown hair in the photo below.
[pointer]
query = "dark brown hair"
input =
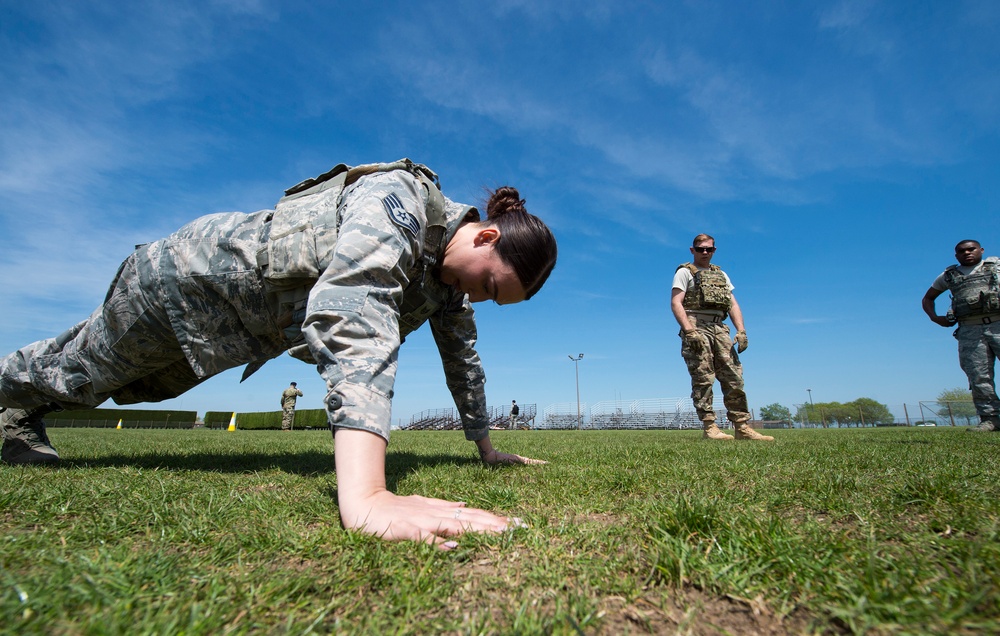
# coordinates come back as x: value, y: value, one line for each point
x: 526, y: 244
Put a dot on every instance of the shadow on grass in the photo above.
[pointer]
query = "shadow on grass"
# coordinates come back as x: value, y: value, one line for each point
x: 306, y: 463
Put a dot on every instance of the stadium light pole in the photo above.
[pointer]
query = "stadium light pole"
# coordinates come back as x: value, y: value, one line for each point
x: 812, y: 407
x: 576, y: 363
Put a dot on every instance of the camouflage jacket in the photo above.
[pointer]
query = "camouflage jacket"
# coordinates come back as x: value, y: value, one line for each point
x: 288, y: 397
x: 376, y: 284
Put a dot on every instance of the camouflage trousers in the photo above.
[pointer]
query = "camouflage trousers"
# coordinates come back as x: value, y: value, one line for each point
x: 126, y: 350
x: 287, y: 417
x: 978, y: 350
x: 716, y: 361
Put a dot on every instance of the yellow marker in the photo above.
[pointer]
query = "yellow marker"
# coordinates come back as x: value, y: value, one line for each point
x: 232, y: 422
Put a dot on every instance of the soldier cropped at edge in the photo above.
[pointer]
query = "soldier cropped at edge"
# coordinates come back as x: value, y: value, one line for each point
x: 975, y: 306
x: 288, y: 397
x: 338, y: 274
x: 701, y: 299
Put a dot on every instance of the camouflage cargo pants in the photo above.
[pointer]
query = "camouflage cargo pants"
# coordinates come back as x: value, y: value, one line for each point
x: 126, y: 350
x: 978, y: 350
x: 287, y: 417
x: 716, y: 361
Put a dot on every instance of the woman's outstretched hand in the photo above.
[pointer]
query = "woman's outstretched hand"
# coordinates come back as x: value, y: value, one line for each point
x: 367, y: 505
x: 416, y: 518
x: 494, y: 457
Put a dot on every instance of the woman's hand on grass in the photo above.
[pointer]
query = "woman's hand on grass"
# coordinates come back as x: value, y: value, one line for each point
x: 367, y: 505
x: 493, y: 457
x: 416, y: 518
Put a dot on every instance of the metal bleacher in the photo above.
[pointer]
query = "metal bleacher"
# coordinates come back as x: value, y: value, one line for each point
x: 448, y: 419
x: 648, y: 414
x: 657, y: 413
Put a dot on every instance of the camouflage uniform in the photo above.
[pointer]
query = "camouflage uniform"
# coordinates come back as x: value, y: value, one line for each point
x: 716, y: 360
x: 337, y: 274
x: 976, y: 307
x: 288, y: 397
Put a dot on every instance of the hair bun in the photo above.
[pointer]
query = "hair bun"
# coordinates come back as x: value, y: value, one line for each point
x: 504, y: 200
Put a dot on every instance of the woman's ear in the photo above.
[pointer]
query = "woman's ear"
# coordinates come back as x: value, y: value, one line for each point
x: 486, y: 236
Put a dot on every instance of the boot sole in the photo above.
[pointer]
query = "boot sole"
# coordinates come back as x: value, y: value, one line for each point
x: 33, y: 457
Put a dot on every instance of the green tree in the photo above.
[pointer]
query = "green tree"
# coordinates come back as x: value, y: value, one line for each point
x: 872, y: 412
x: 818, y: 413
x: 959, y: 401
x: 775, y: 412
x: 853, y: 413
x: 842, y: 414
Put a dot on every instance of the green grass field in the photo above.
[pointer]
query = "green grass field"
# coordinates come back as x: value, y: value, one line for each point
x: 879, y: 531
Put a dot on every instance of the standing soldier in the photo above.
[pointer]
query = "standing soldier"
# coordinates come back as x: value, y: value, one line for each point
x: 288, y: 406
x: 975, y: 305
x: 515, y: 410
x: 701, y: 298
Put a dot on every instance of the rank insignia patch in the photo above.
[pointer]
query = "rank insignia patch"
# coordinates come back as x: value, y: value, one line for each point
x: 400, y: 216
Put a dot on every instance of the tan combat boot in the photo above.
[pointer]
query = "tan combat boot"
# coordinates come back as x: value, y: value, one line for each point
x: 743, y: 431
x: 711, y: 431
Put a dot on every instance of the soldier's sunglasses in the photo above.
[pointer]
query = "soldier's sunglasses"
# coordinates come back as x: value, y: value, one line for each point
x: 704, y: 250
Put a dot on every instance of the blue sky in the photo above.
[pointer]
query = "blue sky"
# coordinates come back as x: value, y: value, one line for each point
x: 836, y: 150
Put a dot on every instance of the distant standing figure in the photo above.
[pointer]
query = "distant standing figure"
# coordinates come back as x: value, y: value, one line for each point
x: 514, y: 412
x: 701, y: 299
x: 288, y: 398
x: 975, y: 306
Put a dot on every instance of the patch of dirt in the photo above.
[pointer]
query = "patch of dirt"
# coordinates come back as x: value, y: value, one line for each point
x: 490, y: 579
x: 691, y: 612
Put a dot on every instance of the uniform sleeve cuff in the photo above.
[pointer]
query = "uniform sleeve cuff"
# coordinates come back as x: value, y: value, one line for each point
x: 476, y: 434
x: 358, y: 407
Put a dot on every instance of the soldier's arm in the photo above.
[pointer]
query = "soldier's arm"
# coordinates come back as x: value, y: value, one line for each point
x: 366, y: 504
x: 454, y: 331
x: 351, y: 323
x: 928, y: 305
x: 352, y: 331
x: 677, y: 308
x: 736, y: 314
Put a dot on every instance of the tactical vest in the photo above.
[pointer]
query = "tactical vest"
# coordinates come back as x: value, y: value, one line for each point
x: 976, y: 294
x: 304, y: 226
x: 303, y: 236
x: 711, y: 290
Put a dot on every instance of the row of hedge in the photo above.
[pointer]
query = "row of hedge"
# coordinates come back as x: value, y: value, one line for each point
x: 125, y: 414
x: 266, y: 420
x: 130, y: 418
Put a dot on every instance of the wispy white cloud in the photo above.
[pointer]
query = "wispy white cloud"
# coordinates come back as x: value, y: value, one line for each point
x: 72, y: 123
x: 730, y: 128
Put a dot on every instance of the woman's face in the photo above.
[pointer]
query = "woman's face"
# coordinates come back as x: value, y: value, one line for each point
x: 472, y: 266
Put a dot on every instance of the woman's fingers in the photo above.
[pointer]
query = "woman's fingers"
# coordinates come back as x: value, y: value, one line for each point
x: 510, y: 458
x: 529, y: 460
x: 433, y: 521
